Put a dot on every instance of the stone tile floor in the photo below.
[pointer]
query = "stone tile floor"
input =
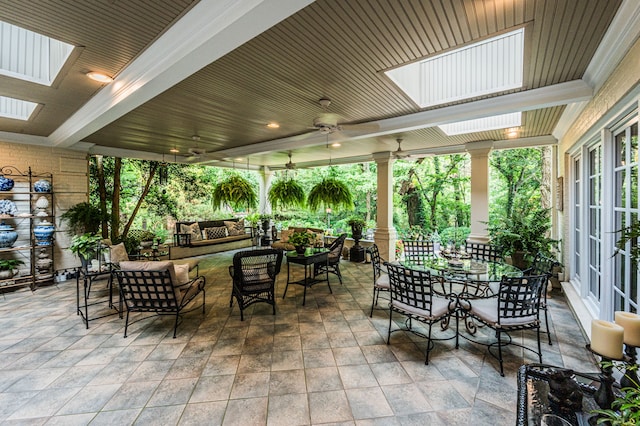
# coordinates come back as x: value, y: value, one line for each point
x: 323, y: 363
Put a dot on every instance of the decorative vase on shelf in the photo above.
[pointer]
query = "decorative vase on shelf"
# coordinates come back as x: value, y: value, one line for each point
x: 6, y: 184
x: 41, y: 204
x: 42, y: 185
x: 7, y: 236
x: 44, y: 233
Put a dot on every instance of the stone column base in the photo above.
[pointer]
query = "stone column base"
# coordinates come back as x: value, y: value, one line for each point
x: 478, y: 238
x: 385, y: 239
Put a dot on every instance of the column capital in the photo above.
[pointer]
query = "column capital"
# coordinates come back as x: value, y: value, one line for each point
x: 383, y: 157
x: 481, y: 148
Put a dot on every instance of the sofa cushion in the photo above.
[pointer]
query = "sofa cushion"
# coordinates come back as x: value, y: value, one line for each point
x: 235, y: 228
x: 193, y: 230
x: 215, y: 232
x: 285, y: 234
x: 118, y: 254
x: 182, y: 273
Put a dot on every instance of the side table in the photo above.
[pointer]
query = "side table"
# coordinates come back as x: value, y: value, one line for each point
x: 88, y: 277
x: 311, y: 257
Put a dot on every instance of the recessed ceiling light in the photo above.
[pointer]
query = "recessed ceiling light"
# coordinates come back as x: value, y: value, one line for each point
x: 512, y: 133
x: 336, y: 144
x: 99, y: 77
x: 174, y: 150
x: 239, y: 159
x: 273, y: 125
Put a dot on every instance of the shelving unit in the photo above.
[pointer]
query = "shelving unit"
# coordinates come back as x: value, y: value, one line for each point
x: 32, y: 210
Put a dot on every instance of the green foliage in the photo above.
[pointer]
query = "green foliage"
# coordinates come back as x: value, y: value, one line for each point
x: 86, y: 245
x: 285, y: 193
x: 235, y: 191
x: 456, y: 235
x: 625, y: 409
x: 10, y: 264
x: 83, y: 218
x: 527, y: 232
x: 630, y: 234
x: 331, y: 193
x: 301, y: 239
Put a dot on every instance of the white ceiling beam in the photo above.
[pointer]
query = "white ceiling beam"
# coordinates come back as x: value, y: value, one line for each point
x: 211, y: 29
x: 558, y: 94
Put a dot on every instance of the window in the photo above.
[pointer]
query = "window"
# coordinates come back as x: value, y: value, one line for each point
x: 594, y: 223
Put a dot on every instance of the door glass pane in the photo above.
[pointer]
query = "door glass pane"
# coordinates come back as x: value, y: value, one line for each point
x: 621, y: 149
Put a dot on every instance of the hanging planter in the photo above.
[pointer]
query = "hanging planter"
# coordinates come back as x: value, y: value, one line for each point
x: 234, y: 191
x: 331, y: 193
x: 286, y: 193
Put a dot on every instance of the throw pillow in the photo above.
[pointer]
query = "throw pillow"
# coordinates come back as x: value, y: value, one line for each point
x: 118, y: 253
x: 235, y: 228
x: 216, y: 232
x: 182, y: 273
x: 285, y: 234
x: 193, y: 229
x: 319, y: 238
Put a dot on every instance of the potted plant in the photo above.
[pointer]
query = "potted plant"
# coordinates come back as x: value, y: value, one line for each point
x: 265, y: 219
x: 87, y: 246
x: 235, y: 191
x: 83, y: 218
x: 357, y: 224
x: 8, y: 267
x: 285, y: 193
x: 301, y: 240
x: 522, y: 236
x: 331, y: 193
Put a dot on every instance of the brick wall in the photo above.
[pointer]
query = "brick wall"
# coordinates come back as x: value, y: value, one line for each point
x: 70, y: 185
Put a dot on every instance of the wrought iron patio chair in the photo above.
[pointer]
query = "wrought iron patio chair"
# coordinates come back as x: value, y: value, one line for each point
x: 153, y: 287
x: 416, y: 250
x: 516, y: 307
x: 483, y: 251
x: 254, y: 275
x: 543, y: 265
x: 380, y: 277
x: 333, y: 259
x: 413, y: 295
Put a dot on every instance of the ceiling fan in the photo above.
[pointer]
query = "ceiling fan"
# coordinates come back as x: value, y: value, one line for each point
x: 290, y: 165
x: 327, y: 122
x: 196, y: 153
x: 399, y: 153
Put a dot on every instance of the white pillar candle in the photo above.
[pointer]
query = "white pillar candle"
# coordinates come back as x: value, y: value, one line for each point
x: 631, y: 324
x: 606, y: 339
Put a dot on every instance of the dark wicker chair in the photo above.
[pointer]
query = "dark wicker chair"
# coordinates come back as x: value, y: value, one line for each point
x: 483, y: 251
x: 416, y: 250
x: 380, y: 277
x: 254, y: 275
x: 413, y: 295
x: 152, y: 287
x: 516, y: 307
x: 543, y: 265
x: 333, y: 259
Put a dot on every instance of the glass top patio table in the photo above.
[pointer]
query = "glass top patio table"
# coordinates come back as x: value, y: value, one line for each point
x: 471, y: 269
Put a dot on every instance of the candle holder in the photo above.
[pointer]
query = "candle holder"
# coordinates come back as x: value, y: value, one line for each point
x: 630, y: 377
x: 604, y: 396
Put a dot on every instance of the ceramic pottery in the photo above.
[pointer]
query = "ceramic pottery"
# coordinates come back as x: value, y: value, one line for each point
x: 42, y: 185
x: 7, y: 236
x: 6, y: 184
x: 42, y: 202
x: 44, y: 233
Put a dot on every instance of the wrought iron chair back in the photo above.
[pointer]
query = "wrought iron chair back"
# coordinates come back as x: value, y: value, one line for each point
x: 333, y: 259
x: 543, y: 265
x: 254, y: 275
x: 416, y: 250
x: 483, y: 251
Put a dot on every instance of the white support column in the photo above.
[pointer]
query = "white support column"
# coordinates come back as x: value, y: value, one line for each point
x: 265, y: 183
x: 385, y: 234
x: 479, y: 152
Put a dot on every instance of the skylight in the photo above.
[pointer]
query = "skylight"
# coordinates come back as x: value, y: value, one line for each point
x: 16, y: 108
x: 31, y: 56
x: 490, y: 66
x: 503, y: 121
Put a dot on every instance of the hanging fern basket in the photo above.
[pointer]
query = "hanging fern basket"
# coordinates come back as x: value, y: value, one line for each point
x: 236, y: 192
x: 286, y: 193
x: 331, y: 193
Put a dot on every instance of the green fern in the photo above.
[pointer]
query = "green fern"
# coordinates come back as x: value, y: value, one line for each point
x: 235, y: 191
x: 330, y: 192
x: 286, y: 193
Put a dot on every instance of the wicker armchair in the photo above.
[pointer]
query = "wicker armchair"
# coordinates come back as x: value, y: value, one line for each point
x: 254, y: 275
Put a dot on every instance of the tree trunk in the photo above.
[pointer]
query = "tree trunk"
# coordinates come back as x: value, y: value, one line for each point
x: 115, y: 202
x: 102, y: 191
x: 152, y: 172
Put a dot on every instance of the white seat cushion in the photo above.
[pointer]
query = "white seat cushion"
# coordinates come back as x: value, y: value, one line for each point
x: 439, y: 308
x: 487, y: 310
x: 383, y: 282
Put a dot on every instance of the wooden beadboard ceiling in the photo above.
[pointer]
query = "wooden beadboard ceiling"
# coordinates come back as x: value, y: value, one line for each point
x: 332, y: 48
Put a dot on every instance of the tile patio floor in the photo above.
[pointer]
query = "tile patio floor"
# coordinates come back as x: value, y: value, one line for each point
x: 324, y: 363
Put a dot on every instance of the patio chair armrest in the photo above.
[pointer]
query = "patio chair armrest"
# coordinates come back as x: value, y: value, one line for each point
x: 190, y: 289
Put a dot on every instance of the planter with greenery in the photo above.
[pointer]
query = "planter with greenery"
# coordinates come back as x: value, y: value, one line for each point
x: 330, y: 193
x: 9, y: 267
x: 87, y: 246
x: 356, y: 253
x: 522, y: 236
x: 236, y: 192
x: 286, y: 193
x: 83, y: 218
x: 301, y: 240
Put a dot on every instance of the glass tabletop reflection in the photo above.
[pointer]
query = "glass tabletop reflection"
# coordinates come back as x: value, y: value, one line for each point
x: 472, y: 269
